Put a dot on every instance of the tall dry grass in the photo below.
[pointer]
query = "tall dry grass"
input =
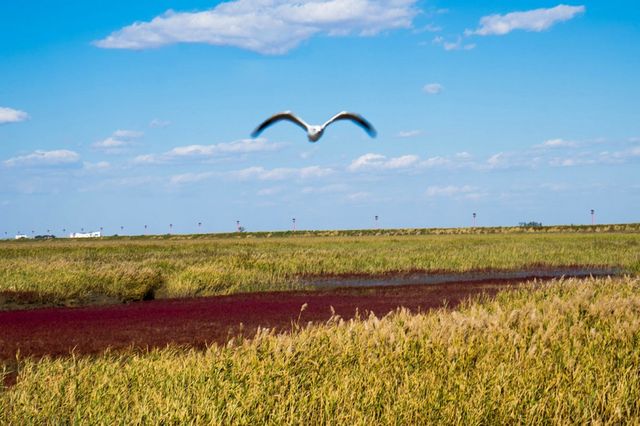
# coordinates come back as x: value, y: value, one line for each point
x: 129, y: 269
x: 563, y: 352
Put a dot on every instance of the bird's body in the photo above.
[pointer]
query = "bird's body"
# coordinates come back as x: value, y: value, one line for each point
x: 315, y: 132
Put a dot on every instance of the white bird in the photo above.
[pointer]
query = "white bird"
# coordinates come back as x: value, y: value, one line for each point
x: 314, y: 132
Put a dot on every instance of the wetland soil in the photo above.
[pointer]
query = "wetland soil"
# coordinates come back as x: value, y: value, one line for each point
x: 197, y: 322
x: 201, y: 321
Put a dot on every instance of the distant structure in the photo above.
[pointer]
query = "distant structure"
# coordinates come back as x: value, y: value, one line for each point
x: 593, y: 217
x: 96, y: 234
x: 22, y: 237
x: 474, y: 220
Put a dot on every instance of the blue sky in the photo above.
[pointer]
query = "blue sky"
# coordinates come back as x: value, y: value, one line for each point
x: 131, y: 113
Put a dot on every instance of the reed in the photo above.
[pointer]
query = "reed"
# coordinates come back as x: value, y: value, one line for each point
x: 563, y: 352
x: 74, y: 271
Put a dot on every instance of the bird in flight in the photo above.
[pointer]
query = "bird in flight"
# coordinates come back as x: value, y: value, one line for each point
x: 315, y: 132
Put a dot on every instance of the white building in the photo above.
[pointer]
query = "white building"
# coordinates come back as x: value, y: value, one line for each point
x: 96, y: 234
x: 21, y: 237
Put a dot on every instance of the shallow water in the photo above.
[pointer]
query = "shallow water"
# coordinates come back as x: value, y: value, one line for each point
x: 418, y: 278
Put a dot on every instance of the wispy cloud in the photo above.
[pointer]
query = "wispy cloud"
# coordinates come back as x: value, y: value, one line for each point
x: 408, y: 133
x: 429, y: 28
x: 531, y: 20
x: 268, y: 27
x: 204, y: 152
x: 592, y: 158
x: 147, y: 182
x: 453, y: 191
x: 557, y: 143
x: 268, y: 192
x: 358, y: 196
x: 98, y: 166
x: 187, y: 178
x: 325, y: 189
x: 40, y: 158
x: 10, y: 115
x: 433, y: 88
x: 457, y: 44
x: 372, y: 161
x: 156, y: 123
x: 260, y: 173
x: 118, y: 140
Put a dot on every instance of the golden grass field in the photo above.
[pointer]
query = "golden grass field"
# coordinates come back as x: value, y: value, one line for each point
x: 77, y: 271
x: 564, y: 351
x: 561, y: 352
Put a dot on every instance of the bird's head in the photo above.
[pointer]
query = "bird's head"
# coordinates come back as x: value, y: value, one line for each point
x: 314, y: 133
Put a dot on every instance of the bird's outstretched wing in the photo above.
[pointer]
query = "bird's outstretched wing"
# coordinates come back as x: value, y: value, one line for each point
x: 286, y: 115
x: 356, y: 118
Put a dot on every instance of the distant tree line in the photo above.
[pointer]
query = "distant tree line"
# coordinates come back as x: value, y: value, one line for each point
x: 531, y: 224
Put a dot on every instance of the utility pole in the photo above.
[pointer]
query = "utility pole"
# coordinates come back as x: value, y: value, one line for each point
x: 593, y: 217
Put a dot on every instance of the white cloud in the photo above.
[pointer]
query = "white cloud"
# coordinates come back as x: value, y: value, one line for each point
x: 499, y: 160
x: 243, y: 146
x: 365, y: 161
x: 450, y: 191
x: 128, y: 134
x: 260, y: 173
x: 265, y: 26
x: 557, y: 143
x: 117, y: 141
x: 401, y: 162
x: 99, y: 166
x: 110, y: 143
x: 186, y: 178
x: 44, y: 158
x: 458, y: 44
x: 408, y: 133
x: 543, y: 155
x: 10, y: 115
x: 437, y: 161
x: 326, y: 189
x: 266, y: 192
x: 433, y: 88
x: 373, y: 161
x: 359, y: 196
x: 377, y: 161
x: 532, y: 20
x: 156, y: 123
x: 429, y: 28
x: 149, y: 182
x: 586, y: 158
